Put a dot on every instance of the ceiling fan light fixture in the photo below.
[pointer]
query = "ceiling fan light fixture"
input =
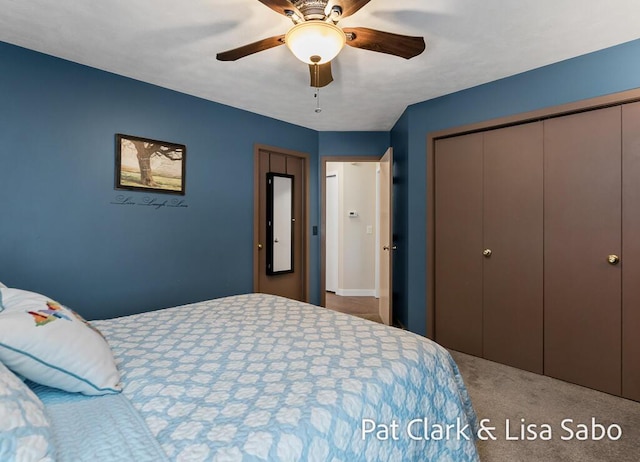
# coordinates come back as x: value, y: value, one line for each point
x: 311, y: 39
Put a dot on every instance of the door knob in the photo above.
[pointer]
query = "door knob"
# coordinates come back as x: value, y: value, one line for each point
x: 613, y: 259
x: 395, y: 247
x: 386, y: 247
x: 487, y: 252
x: 259, y: 246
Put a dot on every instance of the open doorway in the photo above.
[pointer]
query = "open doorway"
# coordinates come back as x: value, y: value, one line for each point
x: 351, y: 246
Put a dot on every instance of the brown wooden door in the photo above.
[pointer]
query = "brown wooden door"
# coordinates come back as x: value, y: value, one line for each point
x: 631, y: 251
x: 582, y: 301
x: 291, y: 285
x: 385, y: 304
x: 458, y: 243
x: 513, y: 232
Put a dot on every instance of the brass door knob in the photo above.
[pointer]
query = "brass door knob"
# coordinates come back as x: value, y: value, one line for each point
x: 259, y: 246
x: 613, y: 259
x: 487, y: 252
x: 386, y: 247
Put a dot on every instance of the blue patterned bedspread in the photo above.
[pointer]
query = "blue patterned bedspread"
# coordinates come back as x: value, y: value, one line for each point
x: 97, y: 428
x: 263, y: 378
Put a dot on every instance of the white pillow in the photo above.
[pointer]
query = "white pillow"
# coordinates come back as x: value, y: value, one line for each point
x: 49, y: 344
x: 25, y: 430
x: 2, y: 286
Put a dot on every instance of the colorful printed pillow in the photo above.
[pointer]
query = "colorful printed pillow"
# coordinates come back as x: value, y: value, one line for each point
x: 25, y: 433
x: 48, y: 344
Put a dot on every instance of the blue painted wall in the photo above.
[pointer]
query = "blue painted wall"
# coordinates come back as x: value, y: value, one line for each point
x: 607, y: 71
x: 353, y: 143
x: 59, y: 232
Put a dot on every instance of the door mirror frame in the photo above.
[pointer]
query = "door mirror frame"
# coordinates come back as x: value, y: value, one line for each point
x: 280, y: 207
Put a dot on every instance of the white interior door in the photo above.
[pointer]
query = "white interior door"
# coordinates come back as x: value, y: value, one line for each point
x: 332, y: 233
x: 386, y: 235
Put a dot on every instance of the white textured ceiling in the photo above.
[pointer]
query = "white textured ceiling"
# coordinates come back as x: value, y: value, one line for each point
x: 173, y: 44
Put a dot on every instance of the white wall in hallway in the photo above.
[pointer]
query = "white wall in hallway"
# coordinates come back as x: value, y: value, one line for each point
x: 357, y: 234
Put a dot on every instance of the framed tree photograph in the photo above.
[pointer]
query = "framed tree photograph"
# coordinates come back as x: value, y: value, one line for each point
x: 150, y: 165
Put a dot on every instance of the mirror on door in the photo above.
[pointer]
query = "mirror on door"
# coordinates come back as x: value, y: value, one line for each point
x: 279, y: 223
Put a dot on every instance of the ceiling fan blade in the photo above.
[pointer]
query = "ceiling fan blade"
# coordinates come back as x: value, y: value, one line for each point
x: 348, y: 6
x: 320, y: 74
x: 384, y: 42
x: 281, y: 6
x: 246, y: 50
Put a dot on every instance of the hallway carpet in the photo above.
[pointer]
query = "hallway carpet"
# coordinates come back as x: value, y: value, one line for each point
x: 362, y: 307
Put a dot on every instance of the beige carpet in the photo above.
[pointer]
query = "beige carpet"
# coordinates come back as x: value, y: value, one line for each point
x: 501, y: 392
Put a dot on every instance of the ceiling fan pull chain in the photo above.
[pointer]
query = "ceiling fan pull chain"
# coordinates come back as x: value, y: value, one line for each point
x: 318, y: 109
x: 317, y: 97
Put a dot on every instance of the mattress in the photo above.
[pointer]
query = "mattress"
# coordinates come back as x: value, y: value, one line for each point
x: 258, y: 377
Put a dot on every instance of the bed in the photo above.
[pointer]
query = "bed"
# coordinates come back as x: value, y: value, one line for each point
x: 263, y: 378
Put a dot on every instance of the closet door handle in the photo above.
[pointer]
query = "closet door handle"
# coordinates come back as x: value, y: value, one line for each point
x: 613, y: 259
x: 487, y: 252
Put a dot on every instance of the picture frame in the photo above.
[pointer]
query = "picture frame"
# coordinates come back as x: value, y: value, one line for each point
x: 143, y: 164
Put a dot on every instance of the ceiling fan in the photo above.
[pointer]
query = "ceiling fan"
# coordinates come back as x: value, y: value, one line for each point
x: 316, y: 39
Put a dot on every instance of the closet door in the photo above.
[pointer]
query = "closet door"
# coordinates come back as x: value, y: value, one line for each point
x: 458, y: 243
x: 513, y: 233
x: 631, y: 251
x: 582, y: 299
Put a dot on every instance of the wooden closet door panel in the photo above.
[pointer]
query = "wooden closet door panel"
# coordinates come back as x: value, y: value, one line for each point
x: 582, y: 312
x: 513, y: 231
x: 458, y: 243
x: 631, y: 251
